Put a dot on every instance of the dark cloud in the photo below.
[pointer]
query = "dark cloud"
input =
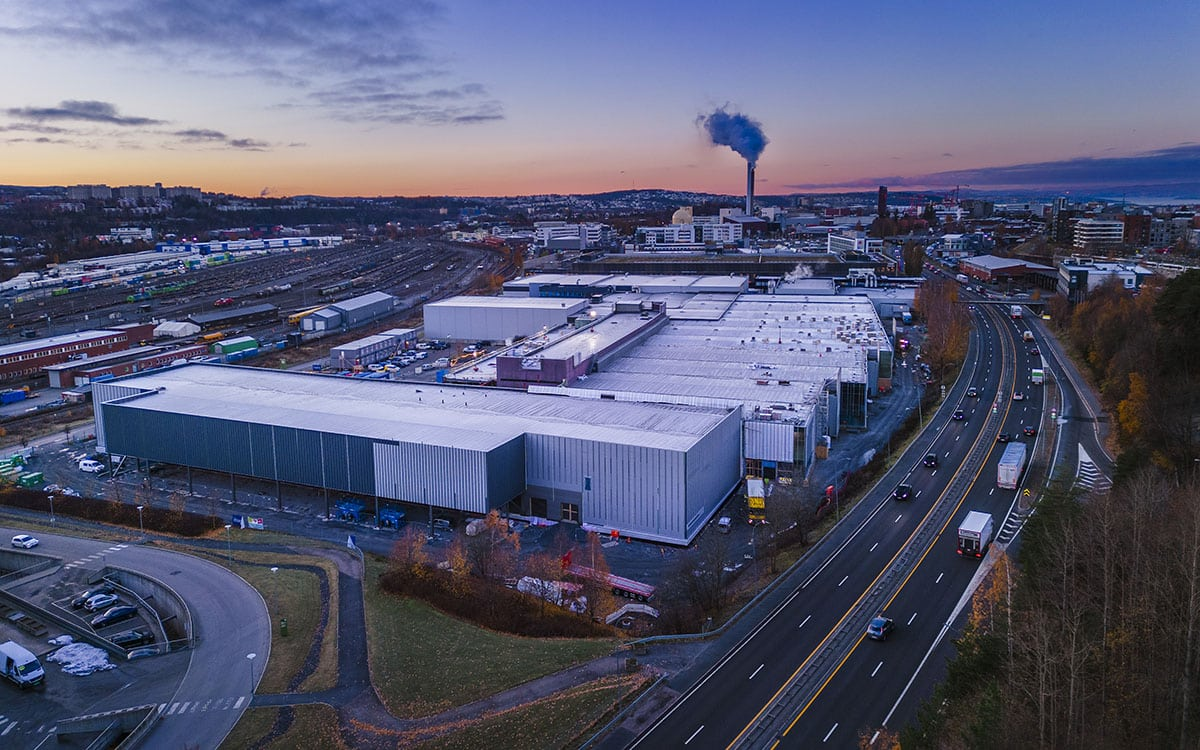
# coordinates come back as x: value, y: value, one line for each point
x: 198, y: 135
x: 298, y: 48
x: 362, y: 102
x: 1178, y: 164
x: 32, y: 127
x: 248, y: 144
x: 216, y: 137
x: 85, y: 111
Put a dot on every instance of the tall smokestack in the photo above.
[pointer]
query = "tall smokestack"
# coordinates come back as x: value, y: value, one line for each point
x: 882, y: 208
x: 749, y: 188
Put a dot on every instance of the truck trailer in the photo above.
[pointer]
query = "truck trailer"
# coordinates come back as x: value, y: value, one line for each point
x: 1012, y: 463
x: 1015, y: 312
x: 18, y: 664
x: 975, y: 534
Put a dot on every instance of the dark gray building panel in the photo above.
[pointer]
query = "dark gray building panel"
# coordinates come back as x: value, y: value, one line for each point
x: 360, y: 463
x: 262, y: 453
x: 332, y: 462
x: 506, y: 472
x: 713, y: 470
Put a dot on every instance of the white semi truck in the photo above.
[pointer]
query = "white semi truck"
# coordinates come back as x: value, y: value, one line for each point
x: 18, y: 664
x: 975, y: 534
x: 1012, y: 463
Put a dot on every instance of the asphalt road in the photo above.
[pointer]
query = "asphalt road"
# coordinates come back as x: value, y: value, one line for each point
x: 800, y: 647
x: 218, y: 680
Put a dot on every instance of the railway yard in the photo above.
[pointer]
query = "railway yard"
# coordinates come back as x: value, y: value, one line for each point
x: 415, y: 271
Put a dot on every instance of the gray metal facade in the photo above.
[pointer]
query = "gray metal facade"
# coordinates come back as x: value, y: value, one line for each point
x: 648, y: 470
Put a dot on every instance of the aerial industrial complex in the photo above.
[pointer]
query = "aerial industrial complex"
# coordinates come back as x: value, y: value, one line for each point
x: 585, y: 414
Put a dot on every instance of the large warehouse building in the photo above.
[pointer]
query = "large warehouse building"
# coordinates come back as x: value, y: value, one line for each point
x: 653, y: 471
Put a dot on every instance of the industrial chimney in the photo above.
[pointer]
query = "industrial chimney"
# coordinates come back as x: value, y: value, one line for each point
x: 749, y: 188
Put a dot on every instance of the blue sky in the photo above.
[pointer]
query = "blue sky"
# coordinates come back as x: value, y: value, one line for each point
x: 464, y: 97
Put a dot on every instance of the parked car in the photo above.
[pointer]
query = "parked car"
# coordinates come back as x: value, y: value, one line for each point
x: 100, y: 601
x: 24, y: 541
x: 82, y: 599
x: 91, y: 466
x: 958, y: 414
x: 973, y: 392
x: 880, y: 628
x: 118, y: 613
x: 902, y: 492
x: 930, y: 460
x: 132, y: 638
x: 223, y: 302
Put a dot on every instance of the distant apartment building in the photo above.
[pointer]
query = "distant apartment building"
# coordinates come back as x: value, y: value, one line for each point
x: 1078, y: 276
x: 560, y: 235
x: 1092, y: 234
x: 140, y: 192
x: 180, y: 191
x: 1137, y: 229
x: 961, y: 245
x: 1165, y: 232
x: 850, y: 242
x: 694, y: 236
x: 89, y: 192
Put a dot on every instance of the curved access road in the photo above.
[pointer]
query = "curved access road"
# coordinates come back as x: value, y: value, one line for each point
x: 229, y: 619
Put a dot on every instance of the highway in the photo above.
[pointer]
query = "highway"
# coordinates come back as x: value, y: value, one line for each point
x: 804, y: 676
x: 218, y: 681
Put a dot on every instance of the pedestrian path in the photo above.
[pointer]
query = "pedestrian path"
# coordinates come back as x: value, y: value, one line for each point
x: 84, y: 562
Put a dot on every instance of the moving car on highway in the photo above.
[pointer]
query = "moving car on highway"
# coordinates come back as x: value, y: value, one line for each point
x: 880, y: 628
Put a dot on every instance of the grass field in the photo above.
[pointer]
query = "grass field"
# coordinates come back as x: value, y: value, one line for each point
x: 419, y: 656
x: 314, y: 726
x: 560, y: 720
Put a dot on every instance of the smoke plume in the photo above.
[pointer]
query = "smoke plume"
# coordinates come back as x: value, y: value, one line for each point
x: 736, y: 131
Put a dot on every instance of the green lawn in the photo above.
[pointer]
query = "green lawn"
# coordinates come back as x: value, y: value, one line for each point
x: 314, y: 726
x: 420, y: 657
x: 561, y: 720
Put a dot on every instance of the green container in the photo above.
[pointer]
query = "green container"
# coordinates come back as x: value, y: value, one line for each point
x: 32, y: 479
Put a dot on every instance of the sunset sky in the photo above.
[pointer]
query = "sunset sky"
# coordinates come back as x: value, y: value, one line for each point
x: 467, y: 97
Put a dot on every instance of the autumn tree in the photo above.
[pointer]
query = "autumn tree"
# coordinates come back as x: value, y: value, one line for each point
x: 493, y: 552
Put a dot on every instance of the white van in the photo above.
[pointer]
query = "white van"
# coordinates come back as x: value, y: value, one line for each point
x: 18, y: 664
x: 724, y: 524
x: 91, y: 466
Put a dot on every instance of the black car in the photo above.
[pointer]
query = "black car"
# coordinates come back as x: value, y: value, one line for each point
x: 1030, y: 430
x: 119, y: 613
x: 930, y: 460
x: 902, y: 492
x: 132, y: 638
x: 1034, y: 351
x: 1003, y: 437
x: 973, y: 392
x: 79, y: 601
x: 958, y: 414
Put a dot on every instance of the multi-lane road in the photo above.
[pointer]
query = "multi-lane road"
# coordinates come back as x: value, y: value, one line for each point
x: 806, y: 676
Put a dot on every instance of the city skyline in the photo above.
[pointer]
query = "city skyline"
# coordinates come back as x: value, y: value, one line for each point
x: 468, y: 98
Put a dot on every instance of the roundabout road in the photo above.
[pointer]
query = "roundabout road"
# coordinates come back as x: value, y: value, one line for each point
x: 229, y: 621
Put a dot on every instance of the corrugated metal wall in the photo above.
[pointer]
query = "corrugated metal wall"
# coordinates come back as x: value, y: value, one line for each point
x: 634, y: 489
x: 288, y: 454
x: 101, y: 393
x: 769, y: 441
x: 473, y: 481
x: 714, y: 469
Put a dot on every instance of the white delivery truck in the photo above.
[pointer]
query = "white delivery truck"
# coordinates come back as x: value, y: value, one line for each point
x: 1015, y: 311
x: 975, y: 534
x: 1012, y: 463
x: 18, y: 664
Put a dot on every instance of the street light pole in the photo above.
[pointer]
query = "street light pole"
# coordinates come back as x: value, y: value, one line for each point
x: 274, y: 570
x: 250, y: 659
x: 141, y: 528
x: 51, y: 496
x: 228, y: 547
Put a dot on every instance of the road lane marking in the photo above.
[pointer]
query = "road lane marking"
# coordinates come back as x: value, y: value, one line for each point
x: 239, y: 701
x: 873, y: 546
x: 172, y: 709
x: 8, y: 729
x: 910, y: 620
x: 843, y: 581
x: 898, y: 518
x: 939, y: 578
x: 876, y: 669
x: 689, y: 739
x: 755, y: 672
x: 806, y: 619
x: 835, y: 726
x: 992, y: 492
